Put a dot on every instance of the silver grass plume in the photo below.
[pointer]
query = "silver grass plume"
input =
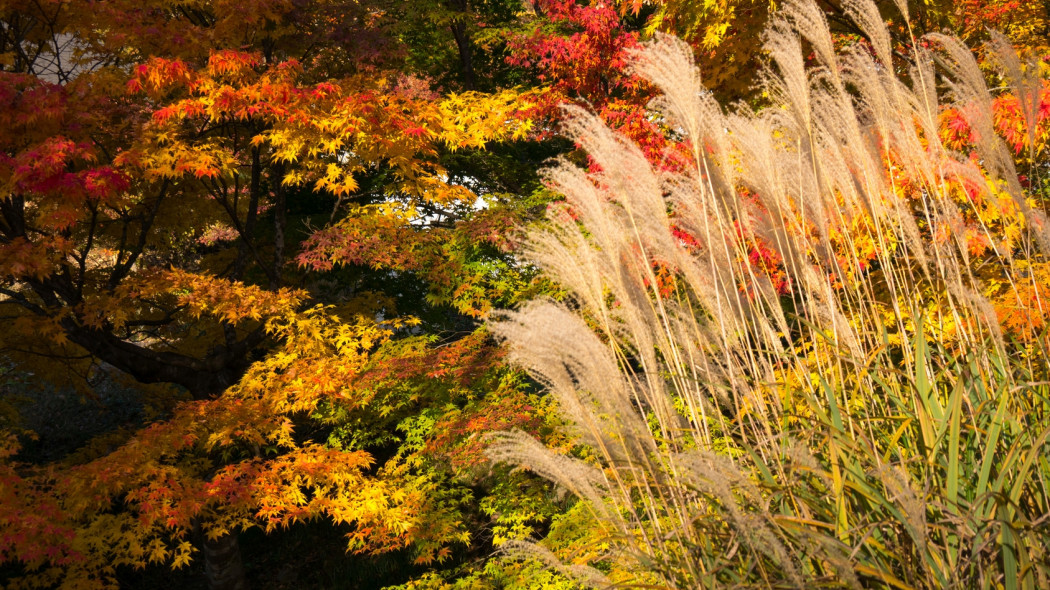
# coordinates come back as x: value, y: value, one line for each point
x: 685, y: 398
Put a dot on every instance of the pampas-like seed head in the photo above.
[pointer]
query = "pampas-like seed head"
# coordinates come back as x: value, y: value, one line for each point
x: 719, y: 410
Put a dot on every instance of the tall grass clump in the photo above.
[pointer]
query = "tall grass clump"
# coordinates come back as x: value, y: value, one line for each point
x: 786, y: 358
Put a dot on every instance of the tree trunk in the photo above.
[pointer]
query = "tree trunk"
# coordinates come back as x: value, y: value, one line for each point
x: 466, y: 53
x: 222, y: 563
x: 280, y: 221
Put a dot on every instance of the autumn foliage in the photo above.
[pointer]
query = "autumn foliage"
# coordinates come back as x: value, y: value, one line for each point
x: 279, y: 227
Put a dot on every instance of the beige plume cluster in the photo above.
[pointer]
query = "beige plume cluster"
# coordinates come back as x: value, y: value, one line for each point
x: 702, y: 404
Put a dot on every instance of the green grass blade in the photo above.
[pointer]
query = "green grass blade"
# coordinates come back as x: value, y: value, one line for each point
x: 955, y: 405
x: 990, y: 445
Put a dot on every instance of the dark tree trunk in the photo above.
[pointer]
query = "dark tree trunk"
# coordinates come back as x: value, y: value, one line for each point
x: 466, y: 52
x: 280, y: 221
x: 222, y: 563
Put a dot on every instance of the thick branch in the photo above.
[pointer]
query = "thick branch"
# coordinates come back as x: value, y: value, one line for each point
x: 203, y: 377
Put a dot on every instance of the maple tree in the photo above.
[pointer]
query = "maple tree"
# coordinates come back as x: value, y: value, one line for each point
x: 160, y: 166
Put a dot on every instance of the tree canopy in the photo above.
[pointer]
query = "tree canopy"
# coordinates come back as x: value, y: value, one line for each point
x: 262, y: 240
